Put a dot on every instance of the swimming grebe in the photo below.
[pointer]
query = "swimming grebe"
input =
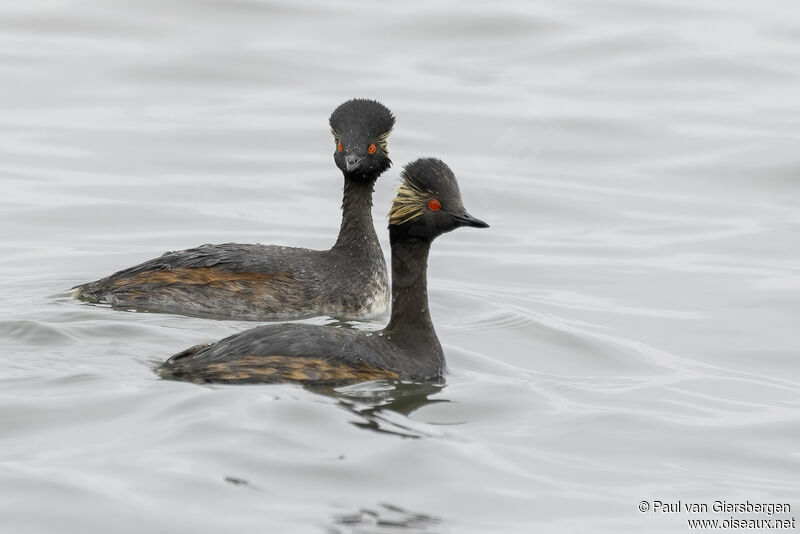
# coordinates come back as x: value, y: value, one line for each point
x: 262, y: 282
x: 428, y: 204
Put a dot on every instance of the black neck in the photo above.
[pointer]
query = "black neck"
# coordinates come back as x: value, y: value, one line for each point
x: 357, y: 229
x: 410, y: 288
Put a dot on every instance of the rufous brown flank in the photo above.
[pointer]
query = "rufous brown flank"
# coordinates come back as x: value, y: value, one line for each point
x: 203, y: 276
x: 295, y: 369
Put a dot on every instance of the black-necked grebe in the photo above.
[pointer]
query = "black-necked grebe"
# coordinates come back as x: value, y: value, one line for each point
x: 262, y: 282
x: 428, y: 204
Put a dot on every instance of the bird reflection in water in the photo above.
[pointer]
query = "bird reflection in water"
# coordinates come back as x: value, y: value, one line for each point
x: 384, y: 405
x: 384, y: 519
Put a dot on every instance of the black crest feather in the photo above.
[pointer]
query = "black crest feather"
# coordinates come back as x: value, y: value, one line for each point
x: 374, y: 118
x: 423, y: 179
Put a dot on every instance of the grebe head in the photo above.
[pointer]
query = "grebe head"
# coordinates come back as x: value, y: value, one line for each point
x: 428, y: 202
x: 361, y: 129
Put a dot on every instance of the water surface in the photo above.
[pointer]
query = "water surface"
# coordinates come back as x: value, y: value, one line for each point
x: 626, y: 329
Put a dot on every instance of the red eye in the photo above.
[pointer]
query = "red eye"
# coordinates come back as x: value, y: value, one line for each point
x: 339, y: 146
x: 434, y: 204
x: 371, y: 148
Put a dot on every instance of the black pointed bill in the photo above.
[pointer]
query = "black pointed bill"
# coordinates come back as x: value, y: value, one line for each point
x: 352, y: 163
x: 465, y: 219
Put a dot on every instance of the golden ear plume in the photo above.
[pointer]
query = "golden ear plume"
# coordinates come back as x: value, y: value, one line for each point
x: 408, y: 204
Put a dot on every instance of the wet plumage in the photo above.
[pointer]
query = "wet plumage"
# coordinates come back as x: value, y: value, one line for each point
x: 261, y: 282
x: 407, y: 349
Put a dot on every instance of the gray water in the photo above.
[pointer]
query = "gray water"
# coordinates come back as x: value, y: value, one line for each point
x: 625, y: 331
